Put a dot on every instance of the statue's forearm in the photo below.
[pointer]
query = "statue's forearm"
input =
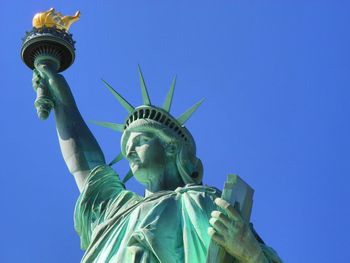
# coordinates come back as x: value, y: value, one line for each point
x: 79, y: 147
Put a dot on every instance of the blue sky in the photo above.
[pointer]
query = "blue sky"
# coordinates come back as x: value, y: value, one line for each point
x: 275, y: 78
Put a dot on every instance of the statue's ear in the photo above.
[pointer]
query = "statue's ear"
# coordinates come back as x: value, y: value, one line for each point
x: 189, y: 166
x: 172, y: 148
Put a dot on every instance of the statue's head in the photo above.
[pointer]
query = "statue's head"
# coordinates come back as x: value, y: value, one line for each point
x: 153, y: 141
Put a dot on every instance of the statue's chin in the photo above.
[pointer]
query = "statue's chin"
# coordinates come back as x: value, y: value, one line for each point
x: 136, y: 168
x: 140, y: 174
x: 147, y: 175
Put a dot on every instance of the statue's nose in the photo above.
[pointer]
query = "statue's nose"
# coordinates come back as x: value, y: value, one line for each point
x: 130, y: 152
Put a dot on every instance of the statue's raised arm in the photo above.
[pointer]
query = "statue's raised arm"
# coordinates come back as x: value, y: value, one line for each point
x: 79, y: 147
x: 48, y: 49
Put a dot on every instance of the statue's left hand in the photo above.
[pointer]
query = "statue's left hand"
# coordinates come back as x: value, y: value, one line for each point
x: 231, y: 232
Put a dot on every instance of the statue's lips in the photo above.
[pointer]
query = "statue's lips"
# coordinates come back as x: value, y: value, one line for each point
x: 134, y: 163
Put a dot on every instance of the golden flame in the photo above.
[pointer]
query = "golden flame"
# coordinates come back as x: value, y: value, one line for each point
x: 52, y: 18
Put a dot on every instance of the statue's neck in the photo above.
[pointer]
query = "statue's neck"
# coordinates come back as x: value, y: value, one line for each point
x: 169, y: 180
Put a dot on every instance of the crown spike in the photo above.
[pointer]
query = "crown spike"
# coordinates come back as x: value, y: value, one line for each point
x: 187, y: 114
x: 169, y: 96
x: 145, y: 96
x: 119, y: 97
x: 127, y: 176
x: 114, y: 126
x: 116, y: 159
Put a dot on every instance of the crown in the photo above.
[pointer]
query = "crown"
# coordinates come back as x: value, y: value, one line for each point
x: 51, y: 18
x: 151, y: 117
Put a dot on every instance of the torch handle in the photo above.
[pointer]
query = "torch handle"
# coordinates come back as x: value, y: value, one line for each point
x: 43, y: 102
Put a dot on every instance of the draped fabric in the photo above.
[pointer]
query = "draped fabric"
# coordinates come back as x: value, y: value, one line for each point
x: 117, y: 225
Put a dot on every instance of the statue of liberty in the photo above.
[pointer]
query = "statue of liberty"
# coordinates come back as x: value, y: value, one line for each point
x: 177, y: 218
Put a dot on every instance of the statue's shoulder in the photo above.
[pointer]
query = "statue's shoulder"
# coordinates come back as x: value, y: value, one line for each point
x: 199, y: 189
x: 197, y: 200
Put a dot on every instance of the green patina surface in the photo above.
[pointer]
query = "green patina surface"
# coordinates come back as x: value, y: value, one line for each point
x: 116, y: 225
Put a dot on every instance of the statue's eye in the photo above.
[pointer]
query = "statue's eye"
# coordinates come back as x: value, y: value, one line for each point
x: 144, y: 139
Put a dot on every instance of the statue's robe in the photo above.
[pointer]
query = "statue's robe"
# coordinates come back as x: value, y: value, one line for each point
x: 117, y: 225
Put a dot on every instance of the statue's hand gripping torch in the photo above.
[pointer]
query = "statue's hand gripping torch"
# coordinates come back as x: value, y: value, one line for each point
x: 43, y: 103
x: 45, y: 100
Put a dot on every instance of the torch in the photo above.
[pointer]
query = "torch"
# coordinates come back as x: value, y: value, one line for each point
x: 49, y: 44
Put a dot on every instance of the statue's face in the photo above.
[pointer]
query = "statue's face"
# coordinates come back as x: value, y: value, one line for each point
x: 146, y: 155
